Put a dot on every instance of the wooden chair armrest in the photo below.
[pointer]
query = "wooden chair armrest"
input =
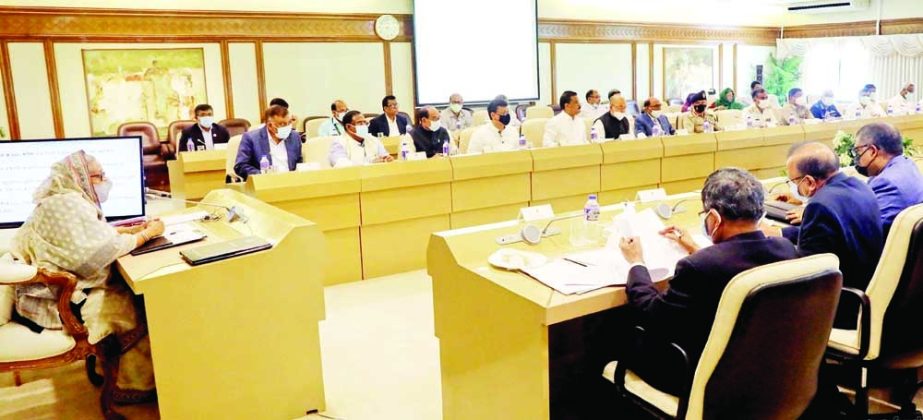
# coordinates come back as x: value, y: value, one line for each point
x: 68, y: 284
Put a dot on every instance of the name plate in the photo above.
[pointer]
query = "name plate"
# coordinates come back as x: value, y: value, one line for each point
x: 646, y: 196
x: 531, y: 214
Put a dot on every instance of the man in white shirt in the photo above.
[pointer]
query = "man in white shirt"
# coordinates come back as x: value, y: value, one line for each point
x: 566, y: 128
x: 356, y: 146
x: 594, y: 107
x: 333, y: 126
x: 455, y: 117
x: 867, y: 106
x: 761, y: 112
x: 493, y: 135
x: 901, y: 104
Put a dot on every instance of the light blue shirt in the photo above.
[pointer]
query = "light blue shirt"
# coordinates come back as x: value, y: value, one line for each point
x: 331, y: 127
x: 898, y: 186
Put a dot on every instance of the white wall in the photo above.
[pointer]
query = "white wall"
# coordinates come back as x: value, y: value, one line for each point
x: 544, y: 74
x: 642, y: 69
x: 33, y: 98
x: 244, y: 84
x: 748, y: 57
x: 580, y: 67
x: 401, y: 77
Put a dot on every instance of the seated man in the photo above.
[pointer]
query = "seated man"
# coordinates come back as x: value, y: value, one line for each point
x: 333, y: 126
x: 390, y: 123
x: 760, y: 113
x: 842, y: 216
x: 650, y: 116
x: 594, y: 107
x: 825, y: 108
x: 867, y: 106
x: 796, y: 109
x: 493, y: 136
x: 901, y: 104
x: 276, y: 142
x: 455, y: 117
x: 566, y: 128
x: 694, y: 120
x: 614, y: 123
x: 356, y: 146
x: 895, y: 179
x: 205, y: 134
x: 732, y: 202
x: 429, y: 135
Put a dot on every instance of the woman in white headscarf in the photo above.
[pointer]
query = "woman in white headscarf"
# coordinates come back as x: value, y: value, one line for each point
x: 68, y: 232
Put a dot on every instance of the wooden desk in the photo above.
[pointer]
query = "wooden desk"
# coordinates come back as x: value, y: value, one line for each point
x: 911, y: 126
x: 329, y: 198
x: 494, y: 326
x: 238, y: 338
x: 194, y: 174
x: 490, y: 187
x: 402, y: 203
x: 687, y: 161
x: 629, y: 167
x: 564, y: 176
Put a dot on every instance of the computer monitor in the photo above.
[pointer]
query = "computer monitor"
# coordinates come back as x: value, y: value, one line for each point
x: 25, y: 164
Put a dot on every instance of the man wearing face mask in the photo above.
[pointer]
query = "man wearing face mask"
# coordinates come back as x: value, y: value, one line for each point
x: 796, y: 108
x: 694, y: 120
x: 732, y: 206
x: 356, y: 146
x: 825, y: 108
x: 495, y: 135
x: 277, y: 142
x: 429, y: 135
x: 455, y: 117
x: 650, y: 116
x: 594, y: 107
x: 333, y: 126
x: 902, y: 103
x: 895, y: 179
x: 614, y: 123
x: 760, y: 112
x: 566, y: 128
x: 205, y: 133
x: 841, y: 216
x: 867, y: 106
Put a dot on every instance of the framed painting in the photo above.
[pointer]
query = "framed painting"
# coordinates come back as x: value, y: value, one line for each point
x: 687, y: 70
x: 155, y: 85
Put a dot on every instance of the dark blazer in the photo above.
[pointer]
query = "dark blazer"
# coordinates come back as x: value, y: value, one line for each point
x: 255, y: 144
x: 219, y: 135
x: 684, y: 313
x: 379, y: 124
x: 429, y: 141
x: 842, y: 218
x: 644, y: 124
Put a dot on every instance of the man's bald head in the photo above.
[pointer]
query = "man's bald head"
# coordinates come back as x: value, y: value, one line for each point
x: 813, y: 159
x: 617, y: 103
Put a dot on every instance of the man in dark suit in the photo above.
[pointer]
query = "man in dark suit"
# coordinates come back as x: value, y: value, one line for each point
x: 277, y: 142
x: 842, y: 216
x: 390, y: 123
x: 205, y: 134
x: 732, y: 203
x: 646, y: 121
x: 429, y: 135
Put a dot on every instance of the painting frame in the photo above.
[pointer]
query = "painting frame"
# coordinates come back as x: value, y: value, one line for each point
x: 168, y: 92
x: 680, y: 58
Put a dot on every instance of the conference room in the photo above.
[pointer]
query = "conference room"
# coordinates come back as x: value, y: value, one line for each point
x: 417, y: 209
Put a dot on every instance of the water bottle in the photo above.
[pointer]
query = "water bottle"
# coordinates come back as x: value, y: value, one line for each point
x: 890, y: 110
x: 791, y: 119
x: 190, y: 145
x: 445, y: 148
x: 592, y: 228
x: 591, y: 209
x: 706, y: 127
x: 594, y: 135
x: 749, y: 121
x: 405, y: 150
x: 523, y: 143
x: 919, y: 108
x: 264, y: 165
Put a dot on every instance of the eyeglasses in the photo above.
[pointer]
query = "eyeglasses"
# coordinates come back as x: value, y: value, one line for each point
x: 796, y: 181
x: 101, y: 176
x: 855, y: 154
x: 394, y: 105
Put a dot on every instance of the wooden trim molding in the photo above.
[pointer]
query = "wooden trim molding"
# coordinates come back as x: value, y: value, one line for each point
x: 226, y: 76
x: 51, y: 68
x: 554, y: 71
x: 183, y: 25
x: 864, y: 28
x: 650, y: 69
x: 734, y: 76
x: 9, y: 93
x: 720, y: 66
x: 573, y: 30
x: 389, y: 78
x: 261, y: 77
x: 634, y: 70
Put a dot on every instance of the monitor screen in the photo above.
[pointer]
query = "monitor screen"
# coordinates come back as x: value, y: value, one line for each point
x: 25, y: 164
x: 479, y: 49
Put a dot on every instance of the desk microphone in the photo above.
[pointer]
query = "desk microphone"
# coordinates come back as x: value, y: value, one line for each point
x: 234, y: 212
x: 665, y: 211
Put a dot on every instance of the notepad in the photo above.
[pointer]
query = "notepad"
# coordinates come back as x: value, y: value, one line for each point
x: 570, y: 277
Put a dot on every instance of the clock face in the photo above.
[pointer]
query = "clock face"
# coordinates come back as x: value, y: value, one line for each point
x: 387, y: 27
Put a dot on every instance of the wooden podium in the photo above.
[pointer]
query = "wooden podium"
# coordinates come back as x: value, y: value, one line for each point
x: 237, y: 338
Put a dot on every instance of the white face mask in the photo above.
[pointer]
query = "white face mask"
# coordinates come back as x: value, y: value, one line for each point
x: 102, y: 190
x: 340, y: 116
x: 435, y: 125
x: 827, y: 100
x: 797, y: 194
x: 865, y: 100
x: 362, y: 130
x: 283, y: 132
x: 206, y: 121
x: 709, y: 235
x: 656, y: 114
x: 456, y: 108
x: 801, y: 101
x: 618, y: 115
